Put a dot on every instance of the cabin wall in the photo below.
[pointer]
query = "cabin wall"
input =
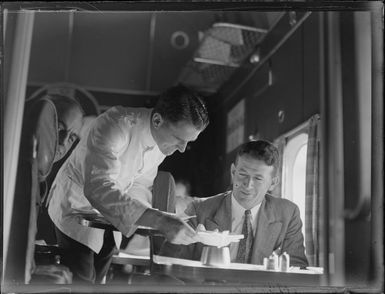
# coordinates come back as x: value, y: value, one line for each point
x: 295, y: 90
x: 113, y: 51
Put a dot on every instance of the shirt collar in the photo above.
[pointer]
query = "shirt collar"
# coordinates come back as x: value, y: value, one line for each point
x: 238, y: 211
x: 148, y: 140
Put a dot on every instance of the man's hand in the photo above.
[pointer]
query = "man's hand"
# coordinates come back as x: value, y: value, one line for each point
x: 177, y: 231
x: 174, y: 229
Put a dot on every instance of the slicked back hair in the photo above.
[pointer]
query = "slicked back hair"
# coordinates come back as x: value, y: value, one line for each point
x: 180, y: 103
x: 261, y: 150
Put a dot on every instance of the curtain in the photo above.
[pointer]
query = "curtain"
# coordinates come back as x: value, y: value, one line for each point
x: 312, y: 201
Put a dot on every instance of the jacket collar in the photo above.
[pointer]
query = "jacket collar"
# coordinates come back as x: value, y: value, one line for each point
x: 266, y: 212
x: 222, y: 217
x: 268, y: 230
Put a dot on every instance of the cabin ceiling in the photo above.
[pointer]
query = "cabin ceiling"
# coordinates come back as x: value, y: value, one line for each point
x: 127, y: 52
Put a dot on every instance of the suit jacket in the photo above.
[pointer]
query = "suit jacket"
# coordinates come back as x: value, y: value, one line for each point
x: 278, y: 225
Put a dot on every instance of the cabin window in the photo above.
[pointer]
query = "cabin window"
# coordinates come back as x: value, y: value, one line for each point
x: 299, y: 174
x: 294, y: 172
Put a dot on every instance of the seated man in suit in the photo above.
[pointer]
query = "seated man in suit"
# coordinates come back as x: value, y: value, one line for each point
x: 267, y: 223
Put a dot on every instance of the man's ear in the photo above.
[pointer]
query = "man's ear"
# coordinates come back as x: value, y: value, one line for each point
x: 232, y: 171
x: 274, y: 183
x: 157, y: 120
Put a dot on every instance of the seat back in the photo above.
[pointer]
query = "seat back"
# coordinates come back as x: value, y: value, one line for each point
x: 40, y: 135
x: 84, y: 97
x: 163, y: 195
x: 37, y: 152
x: 163, y: 198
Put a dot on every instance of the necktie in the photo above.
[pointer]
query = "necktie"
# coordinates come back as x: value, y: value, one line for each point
x: 244, y: 248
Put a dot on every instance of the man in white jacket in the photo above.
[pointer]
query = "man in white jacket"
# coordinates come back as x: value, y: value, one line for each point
x: 112, y: 170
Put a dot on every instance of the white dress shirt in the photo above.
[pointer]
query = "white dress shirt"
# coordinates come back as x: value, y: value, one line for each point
x: 237, y: 219
x: 111, y: 170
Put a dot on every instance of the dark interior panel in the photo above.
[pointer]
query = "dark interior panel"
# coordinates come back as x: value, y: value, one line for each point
x: 97, y: 60
x: 50, y: 49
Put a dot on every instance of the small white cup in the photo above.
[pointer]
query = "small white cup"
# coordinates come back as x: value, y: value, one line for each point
x: 215, y: 256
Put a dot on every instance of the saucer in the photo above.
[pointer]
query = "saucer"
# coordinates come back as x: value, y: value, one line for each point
x: 218, y: 239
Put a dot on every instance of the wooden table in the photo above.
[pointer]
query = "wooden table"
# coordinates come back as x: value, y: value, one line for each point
x: 195, y: 273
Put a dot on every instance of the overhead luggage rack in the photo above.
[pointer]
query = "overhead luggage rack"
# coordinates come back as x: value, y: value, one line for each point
x: 223, y: 49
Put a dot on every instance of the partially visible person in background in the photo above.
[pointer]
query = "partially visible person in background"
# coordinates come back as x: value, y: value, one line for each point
x: 182, y: 195
x: 51, y: 125
x: 70, y: 122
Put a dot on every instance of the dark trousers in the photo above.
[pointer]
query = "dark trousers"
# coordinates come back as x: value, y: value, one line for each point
x: 86, y: 265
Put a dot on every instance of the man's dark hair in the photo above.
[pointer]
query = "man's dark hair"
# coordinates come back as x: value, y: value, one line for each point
x: 180, y: 103
x: 261, y: 150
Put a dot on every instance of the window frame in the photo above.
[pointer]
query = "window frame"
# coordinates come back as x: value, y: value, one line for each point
x: 284, y: 140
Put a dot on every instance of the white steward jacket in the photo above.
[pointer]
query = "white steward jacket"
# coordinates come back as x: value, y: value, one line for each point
x: 111, y: 170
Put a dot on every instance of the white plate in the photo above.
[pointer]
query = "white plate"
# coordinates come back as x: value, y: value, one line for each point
x: 218, y: 239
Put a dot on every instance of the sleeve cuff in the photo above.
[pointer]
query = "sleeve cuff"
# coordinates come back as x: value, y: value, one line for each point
x: 138, y: 208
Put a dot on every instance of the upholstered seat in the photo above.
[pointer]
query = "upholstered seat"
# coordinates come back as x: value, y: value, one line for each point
x: 39, y: 141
